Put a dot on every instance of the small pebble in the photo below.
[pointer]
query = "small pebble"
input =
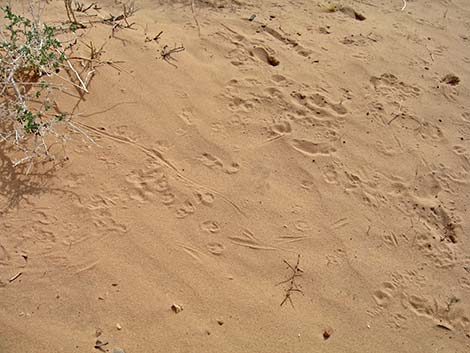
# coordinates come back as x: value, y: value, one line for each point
x: 327, y: 333
x: 119, y: 327
x: 176, y: 308
x: 118, y: 350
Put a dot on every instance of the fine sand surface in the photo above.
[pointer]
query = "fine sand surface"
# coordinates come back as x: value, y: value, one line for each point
x: 301, y: 132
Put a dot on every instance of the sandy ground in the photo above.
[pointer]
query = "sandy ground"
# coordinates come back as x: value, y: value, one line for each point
x: 301, y: 132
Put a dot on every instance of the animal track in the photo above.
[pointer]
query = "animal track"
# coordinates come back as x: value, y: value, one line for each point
x: 409, y: 121
x: 205, y: 198
x: 210, y: 227
x: 99, y: 202
x: 337, y: 258
x: 105, y: 222
x: 318, y: 104
x: 302, y: 226
x: 360, y: 40
x: 397, y: 321
x: 445, y: 314
x: 213, y: 162
x: 299, y: 49
x: 330, y: 174
x: 464, y: 282
x: 391, y: 87
x: 127, y: 132
x: 284, y: 109
x: 310, y: 148
x: 152, y: 183
x: 382, y: 297
x: 248, y: 240
x: 405, y: 290
x: 190, y: 205
x: 263, y: 55
x: 442, y: 254
x: 187, y: 208
x: 149, y: 183
x: 460, y: 150
x: 187, y: 116
x: 307, y: 184
x: 280, y: 128
x: 168, y: 198
x: 281, y: 80
x: 215, y: 248
x: 466, y: 117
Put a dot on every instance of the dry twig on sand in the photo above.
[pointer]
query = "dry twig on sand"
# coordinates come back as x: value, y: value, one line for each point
x: 167, y: 52
x: 155, y: 38
x: 193, y: 6
x: 71, y: 14
x: 293, y: 286
x: 121, y: 21
x: 80, y: 7
x: 15, y: 277
x: 404, y: 5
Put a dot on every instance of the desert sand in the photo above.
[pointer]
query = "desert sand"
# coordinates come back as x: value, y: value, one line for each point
x: 281, y: 130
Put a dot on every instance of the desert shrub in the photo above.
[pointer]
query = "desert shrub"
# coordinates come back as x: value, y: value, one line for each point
x: 31, y: 60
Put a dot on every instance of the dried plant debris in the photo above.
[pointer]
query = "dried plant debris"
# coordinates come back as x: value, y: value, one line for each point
x: 327, y: 332
x: 451, y: 79
x: 101, y: 345
x: 291, y: 282
x: 121, y: 21
x: 81, y: 7
x: 167, y: 53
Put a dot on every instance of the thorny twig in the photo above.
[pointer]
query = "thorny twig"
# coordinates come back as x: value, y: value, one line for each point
x: 291, y: 281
